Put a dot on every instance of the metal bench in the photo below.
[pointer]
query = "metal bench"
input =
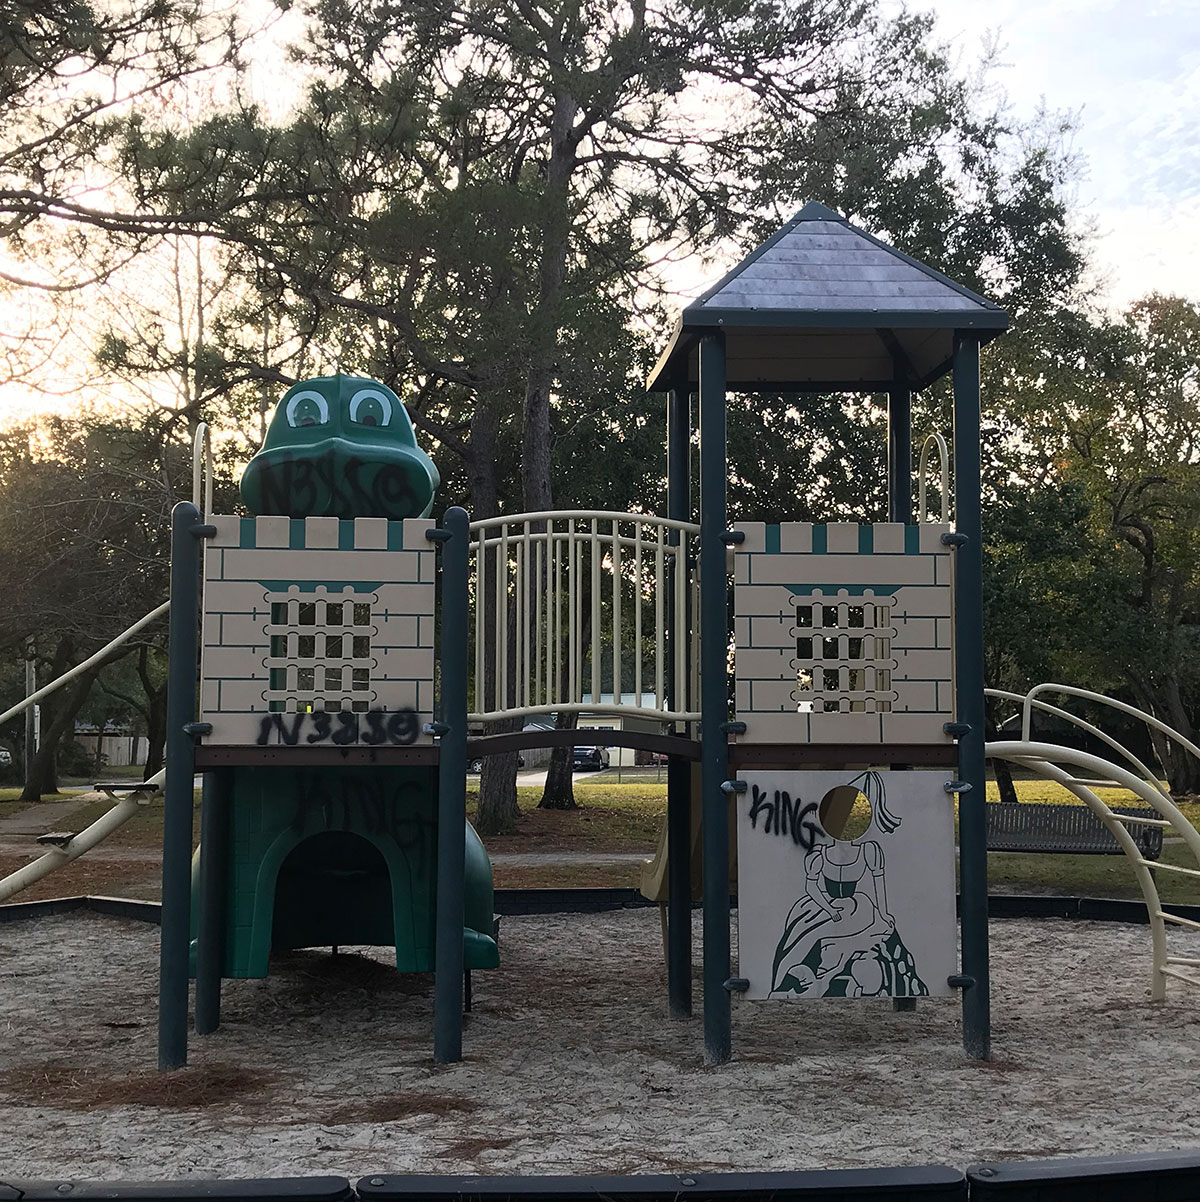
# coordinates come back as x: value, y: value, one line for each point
x: 1066, y: 829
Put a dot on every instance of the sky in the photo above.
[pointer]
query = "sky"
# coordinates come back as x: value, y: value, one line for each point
x: 1129, y: 72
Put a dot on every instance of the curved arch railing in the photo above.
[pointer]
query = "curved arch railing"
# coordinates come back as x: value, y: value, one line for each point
x: 571, y: 605
x: 1045, y: 758
x: 1029, y: 703
x: 202, y: 469
x: 1123, y: 707
x: 935, y: 440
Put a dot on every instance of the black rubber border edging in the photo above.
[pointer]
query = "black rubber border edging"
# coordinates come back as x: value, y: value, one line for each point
x: 120, y: 907
x: 274, y: 1189
x: 594, y: 901
x: 1146, y: 1177
x: 809, y: 1185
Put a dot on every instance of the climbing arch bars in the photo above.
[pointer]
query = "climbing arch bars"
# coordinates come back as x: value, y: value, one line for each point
x: 574, y: 604
x: 1046, y: 759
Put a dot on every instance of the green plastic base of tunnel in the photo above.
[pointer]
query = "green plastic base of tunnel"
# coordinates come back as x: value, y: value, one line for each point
x: 345, y: 856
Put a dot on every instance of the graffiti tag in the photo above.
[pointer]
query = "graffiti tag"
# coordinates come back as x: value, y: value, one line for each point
x: 783, y: 816
x: 343, y: 728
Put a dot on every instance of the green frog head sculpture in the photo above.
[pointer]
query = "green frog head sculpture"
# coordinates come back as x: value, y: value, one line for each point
x: 340, y: 446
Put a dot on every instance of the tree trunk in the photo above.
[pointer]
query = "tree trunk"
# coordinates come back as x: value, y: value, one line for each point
x: 42, y: 769
x: 43, y: 776
x: 1165, y: 702
x: 498, y: 810
x: 1004, y: 781
x: 156, y: 733
x: 155, y: 713
x: 559, y: 793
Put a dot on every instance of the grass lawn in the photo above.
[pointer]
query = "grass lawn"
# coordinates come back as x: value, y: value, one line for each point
x: 1090, y: 876
x: 611, y: 817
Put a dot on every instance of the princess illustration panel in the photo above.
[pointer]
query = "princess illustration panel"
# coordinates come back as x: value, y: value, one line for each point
x: 846, y: 884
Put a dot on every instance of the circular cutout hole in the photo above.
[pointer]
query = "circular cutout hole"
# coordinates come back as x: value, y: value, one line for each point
x: 844, y: 813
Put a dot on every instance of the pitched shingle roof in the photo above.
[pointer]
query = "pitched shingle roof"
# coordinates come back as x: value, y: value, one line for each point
x: 825, y: 303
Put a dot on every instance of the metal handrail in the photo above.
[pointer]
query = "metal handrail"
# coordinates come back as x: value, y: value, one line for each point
x: 543, y: 570
x: 521, y: 519
x: 944, y: 454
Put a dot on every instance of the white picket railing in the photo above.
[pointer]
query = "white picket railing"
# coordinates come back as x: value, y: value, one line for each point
x: 582, y: 591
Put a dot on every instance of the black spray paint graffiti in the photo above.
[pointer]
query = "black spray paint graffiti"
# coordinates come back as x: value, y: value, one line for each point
x: 783, y: 816
x: 374, y: 806
x: 341, y: 486
x: 343, y: 728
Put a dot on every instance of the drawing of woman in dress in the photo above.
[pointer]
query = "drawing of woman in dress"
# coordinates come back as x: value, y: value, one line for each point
x: 840, y: 938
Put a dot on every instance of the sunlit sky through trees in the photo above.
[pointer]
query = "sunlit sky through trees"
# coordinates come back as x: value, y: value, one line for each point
x: 1127, y: 72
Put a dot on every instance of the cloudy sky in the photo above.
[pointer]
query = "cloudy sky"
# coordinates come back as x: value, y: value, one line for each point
x: 1130, y: 72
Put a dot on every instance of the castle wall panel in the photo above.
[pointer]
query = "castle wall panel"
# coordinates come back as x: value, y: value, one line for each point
x: 868, y: 614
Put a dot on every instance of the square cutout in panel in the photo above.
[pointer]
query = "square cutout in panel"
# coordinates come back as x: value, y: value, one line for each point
x: 845, y: 665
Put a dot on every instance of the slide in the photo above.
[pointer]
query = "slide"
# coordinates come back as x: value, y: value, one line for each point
x: 655, y: 872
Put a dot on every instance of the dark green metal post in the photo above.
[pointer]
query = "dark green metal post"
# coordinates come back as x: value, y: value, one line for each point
x: 900, y: 507
x: 968, y: 581
x: 714, y: 697
x: 679, y: 773
x: 210, y: 922
x: 175, y: 934
x: 452, y: 792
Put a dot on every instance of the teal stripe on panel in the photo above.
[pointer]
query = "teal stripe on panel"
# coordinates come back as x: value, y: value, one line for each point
x: 296, y: 534
x: 346, y: 535
x: 396, y: 536
x: 247, y: 534
x: 820, y: 540
x: 912, y: 540
x: 866, y: 540
x: 831, y: 590
x: 772, y: 540
x: 331, y: 586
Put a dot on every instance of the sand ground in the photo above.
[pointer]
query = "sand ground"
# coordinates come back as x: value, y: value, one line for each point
x: 573, y: 1066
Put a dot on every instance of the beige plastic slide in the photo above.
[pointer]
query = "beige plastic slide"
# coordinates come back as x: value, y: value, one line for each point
x: 655, y: 872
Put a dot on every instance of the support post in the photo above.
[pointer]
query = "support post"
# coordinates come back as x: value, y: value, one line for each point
x: 679, y: 773
x: 968, y: 581
x: 900, y: 506
x: 175, y: 934
x: 452, y: 791
x: 900, y: 493
x: 31, y: 710
x: 214, y: 882
x: 714, y: 697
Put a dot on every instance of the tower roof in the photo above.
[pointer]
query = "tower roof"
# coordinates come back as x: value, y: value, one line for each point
x: 824, y: 305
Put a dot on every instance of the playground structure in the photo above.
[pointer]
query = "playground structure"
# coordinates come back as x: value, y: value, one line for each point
x: 858, y: 670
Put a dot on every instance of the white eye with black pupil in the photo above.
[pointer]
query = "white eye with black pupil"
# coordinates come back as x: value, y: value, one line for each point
x: 307, y: 408
x: 370, y: 407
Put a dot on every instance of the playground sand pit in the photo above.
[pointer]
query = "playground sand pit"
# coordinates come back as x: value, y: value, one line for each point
x: 572, y: 1064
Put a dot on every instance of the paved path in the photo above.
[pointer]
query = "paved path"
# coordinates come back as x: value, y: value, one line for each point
x: 41, y: 816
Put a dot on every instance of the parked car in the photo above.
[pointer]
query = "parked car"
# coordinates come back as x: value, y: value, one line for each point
x: 476, y: 765
x: 589, y: 757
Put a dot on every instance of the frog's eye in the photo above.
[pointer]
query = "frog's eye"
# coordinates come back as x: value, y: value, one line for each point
x: 307, y: 408
x: 370, y: 407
